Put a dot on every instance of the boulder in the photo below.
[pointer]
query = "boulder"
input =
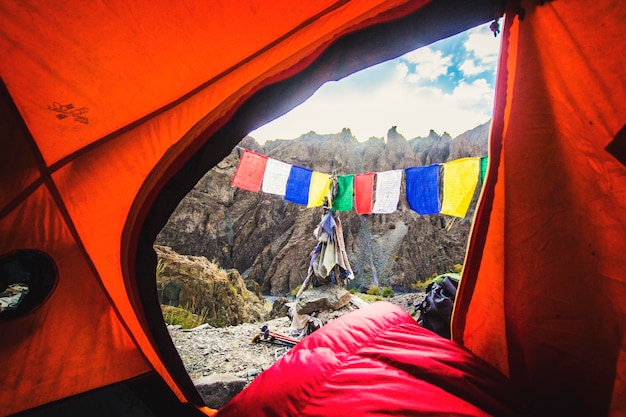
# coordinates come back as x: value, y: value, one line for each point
x: 325, y: 297
x: 280, y: 308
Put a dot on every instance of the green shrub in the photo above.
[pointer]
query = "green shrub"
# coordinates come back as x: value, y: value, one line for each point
x: 421, y: 285
x: 368, y: 298
x: 388, y: 292
x: 375, y: 290
x: 295, y: 291
x: 217, y: 322
x: 177, y: 316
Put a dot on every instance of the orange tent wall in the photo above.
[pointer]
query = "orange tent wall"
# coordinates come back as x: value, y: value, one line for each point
x: 543, y: 287
x: 76, y: 331
x: 542, y: 294
x: 152, y: 83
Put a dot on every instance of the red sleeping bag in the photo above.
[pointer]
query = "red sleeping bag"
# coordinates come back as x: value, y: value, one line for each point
x: 376, y: 361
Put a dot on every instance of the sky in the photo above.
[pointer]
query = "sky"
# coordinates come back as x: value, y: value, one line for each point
x: 447, y: 86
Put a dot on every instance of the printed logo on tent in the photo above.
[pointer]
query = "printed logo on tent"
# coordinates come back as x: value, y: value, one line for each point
x: 67, y: 110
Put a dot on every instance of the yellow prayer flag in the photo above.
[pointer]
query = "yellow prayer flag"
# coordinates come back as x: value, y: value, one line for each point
x: 320, y: 185
x: 459, y: 182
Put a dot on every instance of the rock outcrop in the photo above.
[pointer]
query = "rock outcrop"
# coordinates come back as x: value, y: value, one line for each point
x: 193, y: 283
x: 269, y: 239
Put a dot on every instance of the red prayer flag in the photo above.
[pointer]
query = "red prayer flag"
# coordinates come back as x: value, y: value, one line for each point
x: 250, y: 171
x: 363, y: 191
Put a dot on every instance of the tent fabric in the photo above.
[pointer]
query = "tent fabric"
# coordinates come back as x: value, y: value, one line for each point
x: 544, y: 269
x: 111, y: 111
x: 376, y: 361
x: 103, y: 105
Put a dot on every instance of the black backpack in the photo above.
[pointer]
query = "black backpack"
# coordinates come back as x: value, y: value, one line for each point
x: 436, y: 309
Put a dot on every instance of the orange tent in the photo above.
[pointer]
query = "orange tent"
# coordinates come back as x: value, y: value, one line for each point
x: 543, y: 294
x: 111, y: 111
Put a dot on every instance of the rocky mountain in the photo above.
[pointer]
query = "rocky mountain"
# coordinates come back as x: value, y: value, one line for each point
x: 269, y: 239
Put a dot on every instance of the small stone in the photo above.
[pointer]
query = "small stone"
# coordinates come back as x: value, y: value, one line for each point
x: 217, y: 389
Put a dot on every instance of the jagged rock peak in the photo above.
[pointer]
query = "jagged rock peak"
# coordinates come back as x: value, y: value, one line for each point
x: 346, y: 133
x: 313, y: 137
x: 433, y: 135
x: 250, y: 143
x: 393, y: 135
x: 396, y: 141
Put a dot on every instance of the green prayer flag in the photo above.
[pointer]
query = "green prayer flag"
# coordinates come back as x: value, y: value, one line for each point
x: 345, y: 190
x: 484, y: 162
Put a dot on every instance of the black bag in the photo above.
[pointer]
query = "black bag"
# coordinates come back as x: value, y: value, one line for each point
x: 436, y: 309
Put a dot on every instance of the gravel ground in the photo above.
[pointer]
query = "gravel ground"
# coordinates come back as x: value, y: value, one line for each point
x: 207, y: 350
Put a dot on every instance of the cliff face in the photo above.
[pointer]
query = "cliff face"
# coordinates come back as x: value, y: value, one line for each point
x: 269, y: 240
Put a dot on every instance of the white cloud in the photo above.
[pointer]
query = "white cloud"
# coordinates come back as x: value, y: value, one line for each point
x: 429, y: 64
x: 401, y: 70
x: 477, y: 95
x: 470, y: 67
x: 483, y: 45
x: 482, y: 51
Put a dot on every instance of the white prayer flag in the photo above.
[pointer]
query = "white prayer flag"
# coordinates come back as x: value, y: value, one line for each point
x: 387, y: 191
x: 275, y: 177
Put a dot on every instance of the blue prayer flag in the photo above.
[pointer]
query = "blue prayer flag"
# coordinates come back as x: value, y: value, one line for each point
x: 298, y: 185
x: 422, y: 189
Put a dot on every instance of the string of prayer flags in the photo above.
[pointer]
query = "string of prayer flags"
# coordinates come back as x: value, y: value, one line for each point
x: 484, y: 164
x: 250, y: 171
x: 422, y: 189
x: 459, y: 182
x: 298, y: 184
x: 345, y: 192
x: 318, y: 189
x: 445, y: 188
x: 363, y: 191
x: 387, y: 191
x: 276, y: 176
